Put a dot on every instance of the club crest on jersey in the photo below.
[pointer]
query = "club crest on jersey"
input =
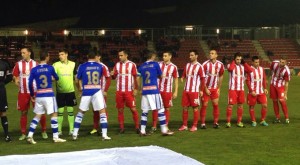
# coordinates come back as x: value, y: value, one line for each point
x: 27, y: 72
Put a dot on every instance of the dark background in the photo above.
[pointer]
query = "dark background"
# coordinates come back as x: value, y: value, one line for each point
x: 153, y: 13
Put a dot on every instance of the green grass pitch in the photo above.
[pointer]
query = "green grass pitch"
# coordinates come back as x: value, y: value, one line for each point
x: 275, y: 144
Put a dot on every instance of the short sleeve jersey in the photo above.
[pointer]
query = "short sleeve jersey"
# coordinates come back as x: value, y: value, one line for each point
x: 90, y: 74
x: 150, y: 71
x: 42, y: 74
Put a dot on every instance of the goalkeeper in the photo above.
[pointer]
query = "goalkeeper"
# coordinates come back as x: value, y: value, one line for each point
x: 65, y: 93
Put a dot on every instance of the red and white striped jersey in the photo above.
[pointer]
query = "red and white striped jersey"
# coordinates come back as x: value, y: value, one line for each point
x: 256, y: 80
x: 169, y: 72
x: 212, y: 73
x: 22, y: 70
x: 125, y: 73
x: 193, y: 74
x: 237, y: 75
x: 104, y: 76
x: 279, y: 74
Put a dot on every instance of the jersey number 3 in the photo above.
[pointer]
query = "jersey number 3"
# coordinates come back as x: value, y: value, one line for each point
x: 44, y: 82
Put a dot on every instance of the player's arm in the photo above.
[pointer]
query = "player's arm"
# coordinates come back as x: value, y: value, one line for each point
x: 107, y: 79
x: 264, y: 82
x: 248, y: 82
x: 183, y: 75
x: 175, y: 94
x: 286, y: 85
x: 220, y: 83
x: 248, y: 68
x: 16, y: 75
x: 231, y: 66
x: 202, y: 79
x: 30, y: 84
x: 114, y: 73
x: 135, y: 80
x: 8, y: 77
x: 221, y: 76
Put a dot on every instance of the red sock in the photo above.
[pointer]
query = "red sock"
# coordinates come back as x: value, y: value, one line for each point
x: 121, y: 119
x: 252, y: 114
x: 154, y: 118
x: 185, y: 116
x: 23, y: 123
x: 167, y: 113
x: 284, y: 108
x: 43, y: 123
x: 196, y: 118
x: 228, y: 114
x: 216, y: 113
x: 203, y: 114
x: 263, y: 113
x: 239, y: 114
x: 96, y: 119
x: 276, y: 109
x: 135, y: 117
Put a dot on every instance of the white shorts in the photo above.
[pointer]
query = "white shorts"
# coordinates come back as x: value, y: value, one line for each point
x: 152, y: 102
x: 97, y: 100
x: 43, y: 104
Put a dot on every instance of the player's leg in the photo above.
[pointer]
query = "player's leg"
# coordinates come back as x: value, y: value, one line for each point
x: 130, y: 102
x: 154, y: 120
x: 4, y: 123
x: 282, y: 101
x: 120, y: 107
x: 262, y: 99
x: 96, y: 119
x: 145, y: 106
x: 240, y: 102
x: 195, y: 102
x: 251, y: 101
x: 185, y: 114
x: 167, y: 102
x: 204, y: 102
x: 83, y: 107
x: 285, y: 110
x: 39, y: 111
x: 100, y: 105
x: 203, y: 114
x: 32, y: 128
x: 216, y: 112
x: 232, y: 99
x: 274, y: 97
x: 61, y: 102
x: 3, y: 109
x: 23, y: 106
x: 70, y: 103
x: 155, y: 103
x: 50, y: 105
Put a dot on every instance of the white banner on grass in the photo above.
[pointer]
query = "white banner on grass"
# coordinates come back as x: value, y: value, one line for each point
x: 147, y: 155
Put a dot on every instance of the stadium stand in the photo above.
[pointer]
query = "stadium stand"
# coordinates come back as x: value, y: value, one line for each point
x: 286, y: 47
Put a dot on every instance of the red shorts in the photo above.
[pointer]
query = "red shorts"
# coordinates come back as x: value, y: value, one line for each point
x: 24, y: 100
x: 190, y: 99
x: 260, y: 99
x: 125, y: 97
x: 236, y: 97
x: 276, y: 92
x: 167, y: 99
x: 213, y: 95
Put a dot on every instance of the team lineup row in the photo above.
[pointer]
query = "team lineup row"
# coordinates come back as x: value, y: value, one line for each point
x: 202, y: 83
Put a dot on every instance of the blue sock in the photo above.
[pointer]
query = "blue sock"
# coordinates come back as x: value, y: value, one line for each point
x: 54, y: 126
x: 33, y: 125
